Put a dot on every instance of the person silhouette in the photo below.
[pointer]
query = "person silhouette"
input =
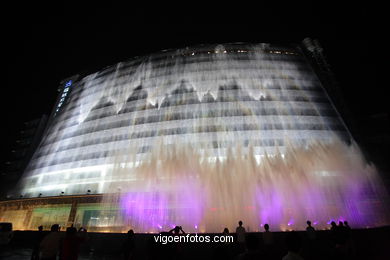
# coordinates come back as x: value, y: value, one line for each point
x: 223, y: 249
x: 176, y: 230
x: 268, y: 240
x: 71, y: 244
x: 340, y: 239
x: 240, y: 231
x: 50, y: 244
x: 226, y: 234
x: 177, y: 247
x: 348, y: 230
x: 346, y: 225
x: 333, y: 226
x: 85, y: 246
x: 350, y: 246
x: 225, y: 231
x: 342, y: 233
x: 334, y: 232
x: 267, y: 236
x: 311, y: 239
x: 37, y: 241
x: 310, y: 231
x: 129, y: 246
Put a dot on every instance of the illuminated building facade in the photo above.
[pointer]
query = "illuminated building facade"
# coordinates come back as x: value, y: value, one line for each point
x: 186, y: 136
x: 208, y: 97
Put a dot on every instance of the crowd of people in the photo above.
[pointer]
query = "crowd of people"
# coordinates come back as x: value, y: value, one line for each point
x: 53, y: 245
x: 245, y: 246
x: 340, y: 238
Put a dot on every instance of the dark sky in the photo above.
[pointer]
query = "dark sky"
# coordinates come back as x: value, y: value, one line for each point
x: 44, y: 44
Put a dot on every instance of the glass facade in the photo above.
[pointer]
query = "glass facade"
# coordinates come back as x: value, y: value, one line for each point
x: 259, y: 97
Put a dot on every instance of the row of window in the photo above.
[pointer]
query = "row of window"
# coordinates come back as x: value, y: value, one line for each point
x: 248, y: 54
x: 134, y: 102
x: 201, y: 73
x: 166, y: 61
x: 106, y: 109
x: 238, y: 93
x: 196, y: 77
x: 58, y: 178
x: 144, y: 149
x: 165, y: 70
x: 197, y: 114
x: 235, y: 62
x: 199, y: 129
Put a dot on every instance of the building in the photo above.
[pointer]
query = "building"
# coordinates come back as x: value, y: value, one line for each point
x: 27, y: 141
x: 182, y: 96
x: 161, y: 128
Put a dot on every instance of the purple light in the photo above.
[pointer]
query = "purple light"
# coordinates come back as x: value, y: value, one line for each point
x: 280, y: 198
x: 158, y: 209
x: 330, y: 221
x: 269, y: 204
x: 144, y: 210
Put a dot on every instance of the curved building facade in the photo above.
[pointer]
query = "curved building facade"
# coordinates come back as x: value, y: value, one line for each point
x: 259, y: 97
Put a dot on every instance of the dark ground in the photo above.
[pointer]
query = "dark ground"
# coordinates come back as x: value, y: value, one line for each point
x: 364, y: 243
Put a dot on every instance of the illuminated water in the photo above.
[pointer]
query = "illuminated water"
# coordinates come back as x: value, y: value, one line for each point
x: 203, y: 137
x: 320, y: 183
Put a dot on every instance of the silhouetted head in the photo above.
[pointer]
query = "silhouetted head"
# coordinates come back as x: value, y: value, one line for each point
x: 40, y: 228
x: 55, y: 228
x: 341, y: 224
x: 346, y: 223
x: 266, y: 227
x: 81, y: 229
x: 333, y: 224
x: 71, y: 231
x: 226, y: 230
x: 293, y: 241
x: 240, y: 223
x: 308, y: 223
x: 176, y: 230
x: 130, y: 233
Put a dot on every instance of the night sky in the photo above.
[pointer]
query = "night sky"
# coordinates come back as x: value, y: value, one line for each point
x: 44, y: 44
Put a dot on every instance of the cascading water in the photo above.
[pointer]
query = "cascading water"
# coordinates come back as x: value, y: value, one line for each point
x: 203, y: 137
x: 321, y: 182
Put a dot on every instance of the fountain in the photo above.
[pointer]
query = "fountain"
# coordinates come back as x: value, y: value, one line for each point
x: 321, y: 182
x: 201, y: 137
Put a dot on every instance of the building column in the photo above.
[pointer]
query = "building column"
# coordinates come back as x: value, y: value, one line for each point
x: 72, y: 214
x: 27, y: 218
